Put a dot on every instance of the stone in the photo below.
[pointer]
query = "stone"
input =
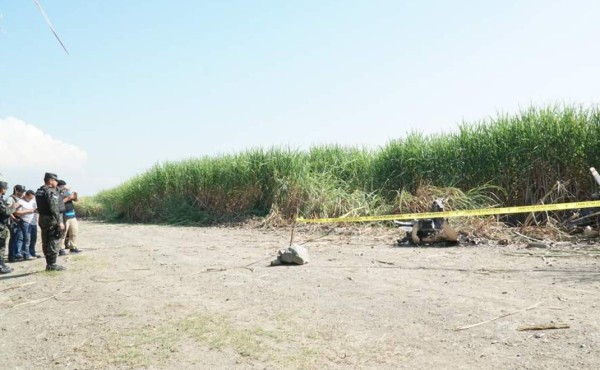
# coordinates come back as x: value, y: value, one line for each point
x: 294, y: 255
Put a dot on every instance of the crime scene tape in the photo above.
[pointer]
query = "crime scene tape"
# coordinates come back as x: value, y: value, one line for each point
x: 461, y: 213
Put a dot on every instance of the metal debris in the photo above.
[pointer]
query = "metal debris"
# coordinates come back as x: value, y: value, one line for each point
x: 428, y: 231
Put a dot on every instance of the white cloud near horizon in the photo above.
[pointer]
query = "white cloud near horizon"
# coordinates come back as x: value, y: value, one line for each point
x: 24, y: 146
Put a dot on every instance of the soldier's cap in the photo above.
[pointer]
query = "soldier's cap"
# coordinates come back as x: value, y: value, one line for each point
x: 50, y: 176
x: 3, y: 185
x: 19, y: 189
x: 61, y: 183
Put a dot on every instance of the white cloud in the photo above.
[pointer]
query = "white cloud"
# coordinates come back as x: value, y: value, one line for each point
x: 24, y: 146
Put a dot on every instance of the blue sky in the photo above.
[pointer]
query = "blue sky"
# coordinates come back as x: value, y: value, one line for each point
x: 154, y: 81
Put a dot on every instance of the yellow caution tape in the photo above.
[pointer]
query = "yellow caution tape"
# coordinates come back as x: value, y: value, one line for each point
x: 462, y: 213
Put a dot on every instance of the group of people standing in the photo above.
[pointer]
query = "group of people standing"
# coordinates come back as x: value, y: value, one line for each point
x: 51, y: 207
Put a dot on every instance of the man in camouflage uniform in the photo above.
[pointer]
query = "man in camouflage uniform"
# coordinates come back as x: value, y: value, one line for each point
x: 50, y: 220
x: 5, y: 212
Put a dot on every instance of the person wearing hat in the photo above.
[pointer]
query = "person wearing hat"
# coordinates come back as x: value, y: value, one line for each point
x: 50, y: 221
x: 5, y: 212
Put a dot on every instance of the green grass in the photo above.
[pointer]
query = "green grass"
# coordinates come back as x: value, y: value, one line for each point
x: 150, y: 345
x: 507, y: 160
x: 290, y: 345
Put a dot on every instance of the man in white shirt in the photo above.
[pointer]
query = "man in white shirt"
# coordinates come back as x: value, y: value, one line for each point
x: 27, y: 215
x: 33, y: 228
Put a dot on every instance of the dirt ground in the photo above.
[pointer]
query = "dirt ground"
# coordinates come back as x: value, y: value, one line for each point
x: 204, y: 298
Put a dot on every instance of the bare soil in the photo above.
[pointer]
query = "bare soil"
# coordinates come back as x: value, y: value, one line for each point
x: 162, y: 297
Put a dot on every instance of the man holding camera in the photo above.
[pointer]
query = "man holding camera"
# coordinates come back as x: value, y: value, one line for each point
x: 50, y: 220
x: 68, y: 239
x: 14, y: 225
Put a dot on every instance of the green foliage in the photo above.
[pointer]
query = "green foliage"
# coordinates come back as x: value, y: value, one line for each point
x: 508, y: 160
x: 524, y: 154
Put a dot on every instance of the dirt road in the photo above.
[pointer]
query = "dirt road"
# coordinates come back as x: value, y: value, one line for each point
x: 204, y: 298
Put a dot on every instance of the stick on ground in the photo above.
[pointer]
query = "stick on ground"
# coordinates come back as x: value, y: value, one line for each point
x: 552, y: 325
x: 498, y: 317
x: 55, y: 295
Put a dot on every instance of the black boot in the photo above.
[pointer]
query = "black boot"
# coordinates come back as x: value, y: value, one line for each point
x: 51, y: 264
x: 3, y: 268
x: 55, y: 267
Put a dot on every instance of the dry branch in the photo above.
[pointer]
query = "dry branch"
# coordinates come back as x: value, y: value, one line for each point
x: 100, y: 280
x: 218, y: 269
x: 527, y: 237
x: 36, y: 301
x: 498, y: 317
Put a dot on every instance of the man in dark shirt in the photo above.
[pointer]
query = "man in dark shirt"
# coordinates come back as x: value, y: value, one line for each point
x: 50, y: 220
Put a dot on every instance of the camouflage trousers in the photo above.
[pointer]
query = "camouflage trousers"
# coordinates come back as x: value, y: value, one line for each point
x: 50, y: 238
x: 3, y: 237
